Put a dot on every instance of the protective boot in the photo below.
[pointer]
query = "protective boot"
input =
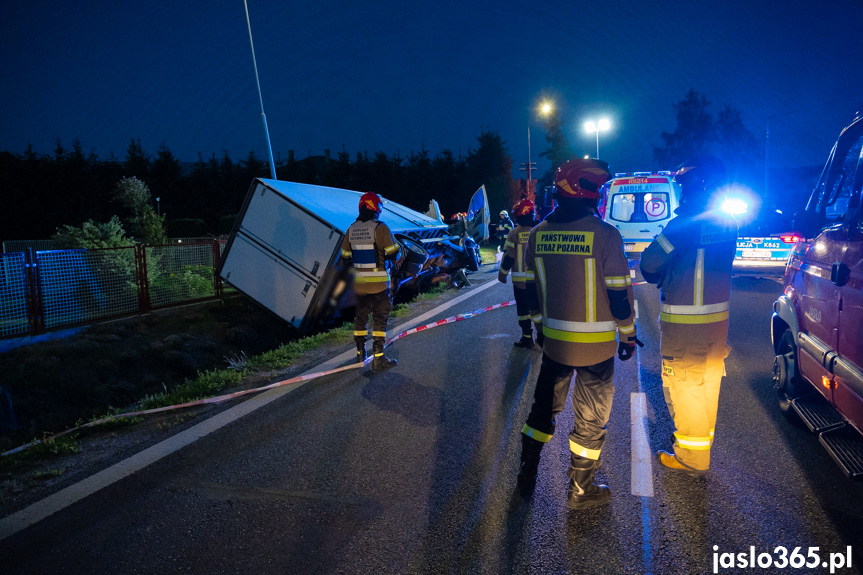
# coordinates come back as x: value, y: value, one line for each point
x: 381, y: 362
x: 526, y: 341
x: 540, y: 339
x: 361, y: 352
x: 670, y: 461
x: 530, y: 452
x: 583, y: 492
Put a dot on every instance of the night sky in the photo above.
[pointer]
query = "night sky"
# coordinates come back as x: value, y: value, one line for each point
x: 399, y: 76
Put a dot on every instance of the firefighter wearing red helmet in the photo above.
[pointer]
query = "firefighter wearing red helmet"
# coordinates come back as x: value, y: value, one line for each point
x: 585, y: 294
x: 370, y: 248
x: 526, y: 304
x: 691, y: 262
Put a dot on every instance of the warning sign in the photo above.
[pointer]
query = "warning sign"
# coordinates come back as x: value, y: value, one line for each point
x: 655, y: 208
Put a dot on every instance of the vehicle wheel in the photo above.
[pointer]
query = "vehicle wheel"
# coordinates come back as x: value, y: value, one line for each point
x: 786, y: 378
x: 414, y: 251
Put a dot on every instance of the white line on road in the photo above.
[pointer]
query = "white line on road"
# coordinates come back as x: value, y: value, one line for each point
x: 642, y: 469
x: 74, y: 493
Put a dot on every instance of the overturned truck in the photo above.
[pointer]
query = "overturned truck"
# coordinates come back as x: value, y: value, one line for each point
x: 284, y: 249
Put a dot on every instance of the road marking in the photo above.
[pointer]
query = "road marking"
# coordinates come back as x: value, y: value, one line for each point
x: 642, y: 469
x: 58, y: 501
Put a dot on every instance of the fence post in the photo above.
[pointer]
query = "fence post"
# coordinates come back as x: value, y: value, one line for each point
x: 35, y: 313
x: 217, y: 256
x: 143, y: 283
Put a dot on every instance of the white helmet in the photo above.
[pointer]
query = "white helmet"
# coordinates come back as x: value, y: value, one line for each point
x: 503, y: 214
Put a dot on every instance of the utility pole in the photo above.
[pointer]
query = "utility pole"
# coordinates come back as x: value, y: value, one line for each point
x: 767, y: 161
x: 260, y: 98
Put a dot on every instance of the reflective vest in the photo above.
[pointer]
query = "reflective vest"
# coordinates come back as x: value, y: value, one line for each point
x: 367, y: 246
x: 692, y: 260
x: 576, y: 264
x: 514, y: 248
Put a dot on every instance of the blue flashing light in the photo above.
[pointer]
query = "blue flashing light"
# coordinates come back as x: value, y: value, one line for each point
x: 734, y: 206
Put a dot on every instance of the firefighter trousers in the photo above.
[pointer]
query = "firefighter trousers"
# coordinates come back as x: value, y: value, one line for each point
x: 527, y: 308
x: 379, y: 305
x: 591, y: 403
x: 693, y: 363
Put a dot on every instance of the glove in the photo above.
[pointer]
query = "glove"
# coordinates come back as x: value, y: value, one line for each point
x: 501, y: 278
x: 626, y: 349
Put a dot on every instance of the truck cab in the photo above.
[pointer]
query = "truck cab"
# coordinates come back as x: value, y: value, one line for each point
x: 640, y: 205
x: 817, y: 323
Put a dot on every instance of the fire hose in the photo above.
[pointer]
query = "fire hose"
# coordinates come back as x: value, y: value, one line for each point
x: 290, y: 381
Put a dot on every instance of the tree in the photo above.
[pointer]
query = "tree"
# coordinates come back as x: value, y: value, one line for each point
x: 137, y: 162
x: 726, y: 138
x: 147, y: 226
x: 166, y: 179
x: 737, y: 146
x: 491, y: 164
x: 693, y: 135
x: 559, y: 150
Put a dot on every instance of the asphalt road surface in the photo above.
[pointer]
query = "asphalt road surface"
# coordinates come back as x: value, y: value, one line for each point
x: 413, y: 471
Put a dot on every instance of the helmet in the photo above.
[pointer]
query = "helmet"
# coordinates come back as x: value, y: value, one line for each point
x: 524, y: 207
x: 370, y: 201
x: 699, y: 176
x: 581, y: 178
x: 503, y: 214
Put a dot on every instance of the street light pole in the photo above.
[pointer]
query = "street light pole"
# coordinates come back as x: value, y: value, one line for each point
x: 544, y: 109
x: 603, y: 125
x: 527, y: 185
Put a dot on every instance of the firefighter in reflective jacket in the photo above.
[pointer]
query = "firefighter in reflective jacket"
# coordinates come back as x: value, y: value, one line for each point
x: 691, y: 262
x: 585, y: 294
x: 523, y: 286
x: 370, y: 247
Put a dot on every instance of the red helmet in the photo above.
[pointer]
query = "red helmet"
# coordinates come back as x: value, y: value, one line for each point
x: 370, y: 201
x: 581, y: 178
x: 524, y: 207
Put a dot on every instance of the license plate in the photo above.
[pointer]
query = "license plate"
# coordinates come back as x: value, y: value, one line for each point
x: 756, y: 254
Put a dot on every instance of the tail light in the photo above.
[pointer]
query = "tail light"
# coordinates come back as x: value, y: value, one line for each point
x: 790, y: 238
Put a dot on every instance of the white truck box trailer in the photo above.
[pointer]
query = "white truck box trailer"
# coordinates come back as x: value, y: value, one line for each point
x: 287, y: 239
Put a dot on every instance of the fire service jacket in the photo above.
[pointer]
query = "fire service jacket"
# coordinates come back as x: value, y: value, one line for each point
x: 513, y: 257
x: 584, y: 289
x: 691, y: 261
x: 369, y: 246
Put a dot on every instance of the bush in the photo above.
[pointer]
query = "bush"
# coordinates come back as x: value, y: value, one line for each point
x: 92, y: 235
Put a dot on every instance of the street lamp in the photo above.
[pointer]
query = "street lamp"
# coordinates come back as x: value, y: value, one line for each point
x: 545, y: 108
x: 603, y: 125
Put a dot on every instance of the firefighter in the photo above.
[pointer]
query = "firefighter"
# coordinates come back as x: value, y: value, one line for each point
x: 503, y: 228
x: 370, y: 248
x: 526, y: 304
x: 585, y: 293
x: 691, y: 261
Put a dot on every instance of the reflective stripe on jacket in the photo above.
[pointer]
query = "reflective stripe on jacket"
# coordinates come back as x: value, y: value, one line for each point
x: 576, y: 265
x: 367, y: 246
x: 514, y: 248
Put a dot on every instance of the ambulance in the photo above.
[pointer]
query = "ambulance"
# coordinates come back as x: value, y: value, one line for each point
x: 640, y: 205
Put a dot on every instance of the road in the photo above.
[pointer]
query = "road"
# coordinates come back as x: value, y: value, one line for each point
x: 413, y: 471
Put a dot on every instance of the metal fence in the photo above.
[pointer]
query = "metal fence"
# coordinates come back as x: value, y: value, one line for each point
x: 47, y: 289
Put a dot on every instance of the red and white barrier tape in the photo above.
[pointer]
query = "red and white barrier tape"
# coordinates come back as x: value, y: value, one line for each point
x: 226, y: 397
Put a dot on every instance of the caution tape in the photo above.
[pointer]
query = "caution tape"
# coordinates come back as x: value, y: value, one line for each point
x: 452, y: 319
x: 226, y: 397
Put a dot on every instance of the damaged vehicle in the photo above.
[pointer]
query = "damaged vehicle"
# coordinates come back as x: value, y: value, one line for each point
x: 283, y: 251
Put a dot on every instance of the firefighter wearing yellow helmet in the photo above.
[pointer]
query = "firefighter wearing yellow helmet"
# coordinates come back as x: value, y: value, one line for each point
x: 691, y: 261
x: 585, y: 294
x: 370, y: 248
x: 526, y: 304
